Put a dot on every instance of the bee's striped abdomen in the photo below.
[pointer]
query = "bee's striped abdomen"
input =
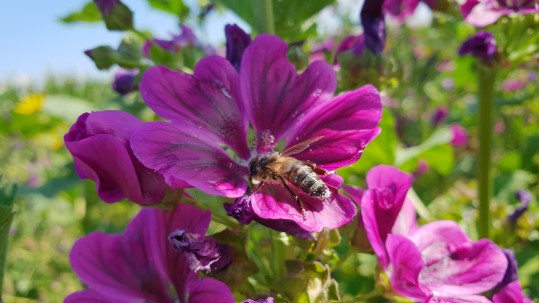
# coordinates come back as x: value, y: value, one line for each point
x: 307, y: 180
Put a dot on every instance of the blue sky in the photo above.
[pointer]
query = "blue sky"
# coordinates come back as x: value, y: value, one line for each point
x: 35, y: 43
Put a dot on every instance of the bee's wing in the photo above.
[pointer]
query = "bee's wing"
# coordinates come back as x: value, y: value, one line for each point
x: 298, y: 148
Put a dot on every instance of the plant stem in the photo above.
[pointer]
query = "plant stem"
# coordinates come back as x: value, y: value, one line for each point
x: 264, y: 14
x: 486, y: 79
x: 7, y: 199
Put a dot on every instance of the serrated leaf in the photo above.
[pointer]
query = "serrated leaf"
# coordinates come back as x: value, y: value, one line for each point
x: 88, y: 13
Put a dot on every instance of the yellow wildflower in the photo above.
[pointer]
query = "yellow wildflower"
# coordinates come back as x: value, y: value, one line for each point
x: 30, y: 104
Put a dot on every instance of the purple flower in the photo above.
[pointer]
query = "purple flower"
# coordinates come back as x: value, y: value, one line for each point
x: 176, y: 44
x: 99, y: 144
x: 205, y: 143
x: 482, y: 45
x: 460, y: 135
x: 525, y: 198
x: 439, y: 115
x: 484, y: 12
x: 401, y: 10
x: 354, y: 43
x: 374, y: 27
x: 140, y: 265
x: 511, y: 293
x: 203, y: 253
x: 124, y: 82
x: 237, y: 41
x: 433, y: 263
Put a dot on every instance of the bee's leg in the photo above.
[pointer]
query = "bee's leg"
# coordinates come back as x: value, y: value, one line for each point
x: 317, y: 170
x: 294, y: 195
x: 259, y: 185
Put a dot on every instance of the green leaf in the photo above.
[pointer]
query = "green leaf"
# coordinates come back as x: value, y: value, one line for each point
x: 243, y: 8
x: 66, y: 107
x: 436, y: 151
x: 120, y: 18
x: 89, y: 13
x: 174, y: 7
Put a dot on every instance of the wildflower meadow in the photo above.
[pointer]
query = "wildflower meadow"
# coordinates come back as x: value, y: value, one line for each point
x: 321, y: 151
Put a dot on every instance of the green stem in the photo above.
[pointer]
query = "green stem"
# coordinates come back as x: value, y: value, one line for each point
x: 264, y: 15
x: 486, y: 79
x: 7, y: 199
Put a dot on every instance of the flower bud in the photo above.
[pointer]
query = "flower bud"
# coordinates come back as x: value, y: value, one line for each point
x: 482, y: 45
x: 124, y: 82
x: 237, y: 41
x: 203, y: 253
x: 117, y: 15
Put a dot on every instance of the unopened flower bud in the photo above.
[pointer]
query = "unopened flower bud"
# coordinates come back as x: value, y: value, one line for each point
x: 203, y: 253
x: 237, y: 41
x: 117, y: 15
x: 124, y: 82
x: 482, y: 45
x: 241, y: 209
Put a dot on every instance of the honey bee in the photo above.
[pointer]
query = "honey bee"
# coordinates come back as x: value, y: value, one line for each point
x: 287, y: 169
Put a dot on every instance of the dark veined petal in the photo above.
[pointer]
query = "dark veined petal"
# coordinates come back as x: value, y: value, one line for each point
x: 210, y: 290
x: 275, y: 96
x: 183, y: 154
x: 274, y: 202
x: 209, y: 99
x: 345, y: 124
x: 118, y: 267
x: 90, y: 296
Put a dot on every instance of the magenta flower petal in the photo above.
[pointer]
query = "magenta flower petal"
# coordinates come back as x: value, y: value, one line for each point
x: 459, y: 299
x: 346, y: 124
x: 275, y: 96
x: 119, y: 174
x: 115, y: 267
x: 406, y: 267
x: 355, y: 193
x: 381, y: 205
x: 400, y: 9
x: 208, y: 99
x: 429, y: 236
x: 406, y: 222
x: 276, y: 203
x: 209, y: 290
x: 90, y: 296
x: 186, y: 155
x: 454, y: 264
x: 511, y: 293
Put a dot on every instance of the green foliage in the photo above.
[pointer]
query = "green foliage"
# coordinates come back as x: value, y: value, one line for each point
x: 174, y: 7
x: 88, y: 13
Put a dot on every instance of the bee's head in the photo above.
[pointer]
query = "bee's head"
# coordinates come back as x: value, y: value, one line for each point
x: 256, y: 169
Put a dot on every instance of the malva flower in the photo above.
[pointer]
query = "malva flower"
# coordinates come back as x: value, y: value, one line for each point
x: 401, y: 10
x: 124, y: 81
x: 460, y: 135
x: 482, y: 46
x: 205, y: 142
x: 484, y: 12
x: 140, y: 265
x: 436, y: 262
x: 175, y: 45
x: 99, y: 144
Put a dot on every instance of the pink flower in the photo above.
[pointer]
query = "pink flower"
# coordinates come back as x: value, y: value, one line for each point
x: 460, y: 135
x: 211, y: 113
x: 484, y: 12
x: 436, y: 262
x: 140, y: 265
